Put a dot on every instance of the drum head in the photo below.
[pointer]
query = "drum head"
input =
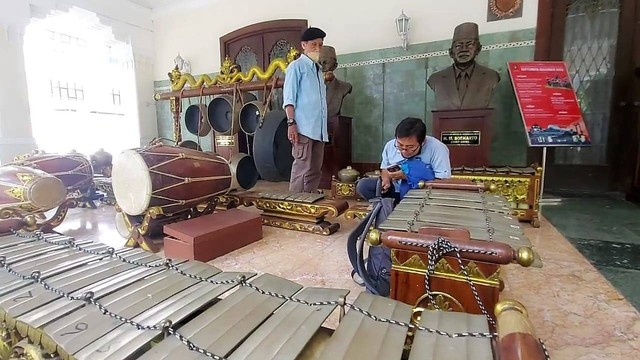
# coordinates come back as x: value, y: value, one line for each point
x: 272, y: 149
x: 47, y: 192
x: 131, y: 182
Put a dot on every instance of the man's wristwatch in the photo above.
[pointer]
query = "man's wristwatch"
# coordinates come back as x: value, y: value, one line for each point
x: 291, y: 122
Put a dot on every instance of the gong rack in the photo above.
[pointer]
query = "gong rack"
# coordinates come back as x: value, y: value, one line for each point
x: 230, y: 80
x: 166, y: 327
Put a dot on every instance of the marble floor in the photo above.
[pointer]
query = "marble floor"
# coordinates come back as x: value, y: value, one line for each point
x: 576, y: 311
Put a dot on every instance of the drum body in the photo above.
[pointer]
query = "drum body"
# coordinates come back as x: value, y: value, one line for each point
x: 74, y: 170
x: 224, y: 115
x: 170, y: 177
x: 243, y: 171
x: 195, y: 118
x: 30, y: 190
x: 272, y: 149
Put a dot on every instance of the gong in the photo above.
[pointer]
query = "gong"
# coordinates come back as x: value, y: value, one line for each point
x: 190, y: 144
x: 224, y: 115
x: 250, y: 116
x: 195, y: 119
x: 244, y: 174
x: 272, y: 149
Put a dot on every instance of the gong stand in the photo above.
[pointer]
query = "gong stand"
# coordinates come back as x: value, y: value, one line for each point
x: 139, y: 228
x: 228, y: 81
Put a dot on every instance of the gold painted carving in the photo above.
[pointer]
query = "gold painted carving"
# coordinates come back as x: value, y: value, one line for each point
x: 516, y: 190
x: 353, y: 214
x: 295, y: 208
x: 415, y: 265
x: 499, y: 9
x: 230, y: 73
x: 345, y: 189
x: 298, y: 226
x: 443, y: 302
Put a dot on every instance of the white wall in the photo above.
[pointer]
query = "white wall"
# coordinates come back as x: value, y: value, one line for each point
x: 130, y: 22
x: 194, y: 28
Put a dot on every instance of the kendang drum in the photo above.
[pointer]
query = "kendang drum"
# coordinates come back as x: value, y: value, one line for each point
x: 245, y: 174
x: 28, y: 190
x: 172, y: 178
x: 74, y: 170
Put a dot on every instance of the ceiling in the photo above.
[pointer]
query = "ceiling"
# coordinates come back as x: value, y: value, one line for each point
x: 153, y: 4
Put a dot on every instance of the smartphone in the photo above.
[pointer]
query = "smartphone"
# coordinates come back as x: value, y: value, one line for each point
x: 394, y: 168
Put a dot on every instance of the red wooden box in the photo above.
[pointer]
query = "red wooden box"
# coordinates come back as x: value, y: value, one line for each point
x: 209, y: 236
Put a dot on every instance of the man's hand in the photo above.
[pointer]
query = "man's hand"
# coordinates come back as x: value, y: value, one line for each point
x: 386, y: 184
x: 397, y: 175
x: 293, y: 134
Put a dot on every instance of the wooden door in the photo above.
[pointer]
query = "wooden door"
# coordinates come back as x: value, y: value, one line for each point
x: 596, y: 41
x: 259, y: 44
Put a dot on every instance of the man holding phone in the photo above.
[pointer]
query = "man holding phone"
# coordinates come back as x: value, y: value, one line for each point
x: 412, y: 151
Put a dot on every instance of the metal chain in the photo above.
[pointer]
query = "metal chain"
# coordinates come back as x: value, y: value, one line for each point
x: 240, y: 281
x: 438, y: 249
x: 487, y: 219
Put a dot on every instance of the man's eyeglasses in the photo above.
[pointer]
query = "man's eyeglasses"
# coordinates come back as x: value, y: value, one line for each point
x: 406, y: 148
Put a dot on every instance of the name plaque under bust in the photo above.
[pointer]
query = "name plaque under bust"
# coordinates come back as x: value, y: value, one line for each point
x: 460, y: 137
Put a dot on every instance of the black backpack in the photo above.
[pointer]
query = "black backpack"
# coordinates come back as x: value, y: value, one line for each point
x: 377, y: 271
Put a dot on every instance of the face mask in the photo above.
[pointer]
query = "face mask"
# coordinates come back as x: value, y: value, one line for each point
x: 315, y: 55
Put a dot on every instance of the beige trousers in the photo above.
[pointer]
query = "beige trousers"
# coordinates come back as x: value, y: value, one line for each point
x: 307, y: 162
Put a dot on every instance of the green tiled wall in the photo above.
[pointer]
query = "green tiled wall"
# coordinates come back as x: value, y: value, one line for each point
x: 386, y: 92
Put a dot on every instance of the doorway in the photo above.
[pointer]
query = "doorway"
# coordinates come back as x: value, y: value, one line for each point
x: 599, y: 40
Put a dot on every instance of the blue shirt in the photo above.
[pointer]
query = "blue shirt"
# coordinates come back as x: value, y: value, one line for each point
x: 434, y: 153
x: 304, y: 88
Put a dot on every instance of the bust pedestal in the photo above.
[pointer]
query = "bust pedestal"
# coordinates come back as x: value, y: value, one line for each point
x: 467, y: 134
x: 337, y: 152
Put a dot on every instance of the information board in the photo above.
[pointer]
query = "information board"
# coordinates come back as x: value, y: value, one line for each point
x: 548, y: 104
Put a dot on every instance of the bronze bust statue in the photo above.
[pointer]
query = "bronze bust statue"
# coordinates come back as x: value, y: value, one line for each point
x: 466, y: 84
x: 337, y: 89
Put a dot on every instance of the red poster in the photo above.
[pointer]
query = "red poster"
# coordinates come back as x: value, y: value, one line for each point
x: 548, y: 104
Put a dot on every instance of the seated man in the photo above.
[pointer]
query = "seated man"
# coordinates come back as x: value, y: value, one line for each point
x: 410, y: 157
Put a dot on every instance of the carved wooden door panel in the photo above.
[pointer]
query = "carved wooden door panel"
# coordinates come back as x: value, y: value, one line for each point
x: 277, y: 45
x: 246, y: 52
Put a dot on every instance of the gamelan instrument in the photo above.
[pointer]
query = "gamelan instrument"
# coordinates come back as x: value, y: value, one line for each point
x: 26, y: 194
x: 168, y: 182
x: 291, y: 211
x: 67, y: 299
x: 224, y: 111
x: 73, y: 169
x: 170, y: 178
x: 272, y: 148
x: 28, y: 190
x: 478, y: 224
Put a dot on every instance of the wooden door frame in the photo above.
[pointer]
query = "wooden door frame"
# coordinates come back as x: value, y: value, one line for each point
x: 550, y: 29
x: 259, y: 29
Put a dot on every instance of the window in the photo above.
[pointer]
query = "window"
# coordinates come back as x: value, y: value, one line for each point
x: 115, y: 96
x: 63, y: 91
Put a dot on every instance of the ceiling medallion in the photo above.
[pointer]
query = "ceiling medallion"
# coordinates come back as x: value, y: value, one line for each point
x: 504, y: 8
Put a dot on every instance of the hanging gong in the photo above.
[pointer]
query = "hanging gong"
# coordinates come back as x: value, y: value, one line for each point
x: 250, y: 116
x: 224, y: 116
x: 272, y: 149
x: 190, y: 144
x: 195, y: 120
x: 244, y: 174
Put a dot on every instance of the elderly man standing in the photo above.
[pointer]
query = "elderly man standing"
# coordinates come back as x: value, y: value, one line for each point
x: 305, y: 102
